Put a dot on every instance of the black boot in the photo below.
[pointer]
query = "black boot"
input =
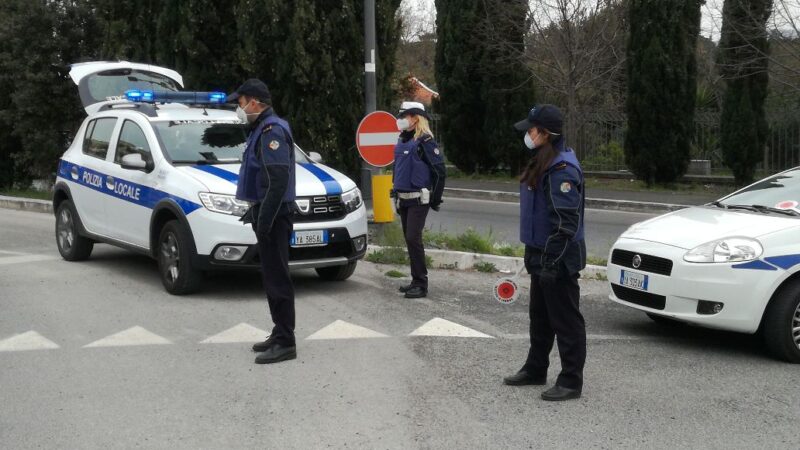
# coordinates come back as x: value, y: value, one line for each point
x: 264, y: 346
x: 558, y: 393
x: 417, y: 292
x: 405, y: 289
x: 277, y: 353
x: 523, y: 378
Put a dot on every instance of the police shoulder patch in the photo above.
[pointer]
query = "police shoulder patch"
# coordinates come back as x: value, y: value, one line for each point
x: 436, y: 151
x: 274, y: 145
x: 566, y: 187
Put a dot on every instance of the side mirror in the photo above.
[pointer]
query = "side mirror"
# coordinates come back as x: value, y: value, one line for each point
x: 134, y: 161
x: 315, y: 157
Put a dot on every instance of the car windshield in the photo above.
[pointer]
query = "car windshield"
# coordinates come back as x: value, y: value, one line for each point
x: 781, y: 191
x: 206, y: 142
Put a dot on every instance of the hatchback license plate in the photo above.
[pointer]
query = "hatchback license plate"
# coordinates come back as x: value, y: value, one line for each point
x: 309, y: 238
x: 634, y: 280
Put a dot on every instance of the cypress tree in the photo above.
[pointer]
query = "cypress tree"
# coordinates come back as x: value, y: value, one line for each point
x: 460, y: 81
x: 743, y: 62
x: 507, y: 91
x: 661, y: 74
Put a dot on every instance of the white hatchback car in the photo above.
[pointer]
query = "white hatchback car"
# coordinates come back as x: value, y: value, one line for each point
x: 733, y: 264
x: 159, y: 177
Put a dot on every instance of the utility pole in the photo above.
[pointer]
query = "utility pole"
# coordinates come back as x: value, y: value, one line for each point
x: 370, y: 86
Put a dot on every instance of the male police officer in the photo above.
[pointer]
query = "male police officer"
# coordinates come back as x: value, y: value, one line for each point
x: 266, y: 180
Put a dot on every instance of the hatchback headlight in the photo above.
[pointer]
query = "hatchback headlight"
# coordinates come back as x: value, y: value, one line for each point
x: 352, y: 200
x: 732, y: 249
x: 224, y: 204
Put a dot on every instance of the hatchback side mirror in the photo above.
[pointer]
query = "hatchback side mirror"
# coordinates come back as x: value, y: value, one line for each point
x: 315, y: 157
x: 134, y: 161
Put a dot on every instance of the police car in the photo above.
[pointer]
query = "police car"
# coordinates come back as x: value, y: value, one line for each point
x: 733, y: 264
x: 154, y: 169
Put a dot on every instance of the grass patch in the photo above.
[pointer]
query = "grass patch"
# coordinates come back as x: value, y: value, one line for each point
x: 27, y: 193
x: 485, y: 267
x: 389, y: 255
x: 596, y: 261
x: 615, y: 184
x: 395, y: 274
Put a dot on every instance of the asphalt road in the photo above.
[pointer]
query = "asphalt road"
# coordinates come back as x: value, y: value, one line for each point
x: 502, y: 221
x: 97, y: 355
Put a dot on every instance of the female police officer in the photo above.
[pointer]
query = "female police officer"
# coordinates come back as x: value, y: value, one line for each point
x: 418, y: 185
x: 551, y: 227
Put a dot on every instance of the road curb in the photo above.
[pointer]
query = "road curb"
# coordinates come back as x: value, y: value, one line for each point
x: 26, y: 204
x: 592, y: 203
x: 452, y: 260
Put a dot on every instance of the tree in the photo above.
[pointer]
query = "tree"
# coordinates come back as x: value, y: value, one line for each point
x: 661, y: 74
x: 459, y: 53
x: 743, y: 64
x: 508, y: 91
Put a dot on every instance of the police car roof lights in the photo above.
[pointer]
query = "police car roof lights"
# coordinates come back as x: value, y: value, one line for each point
x: 186, y: 97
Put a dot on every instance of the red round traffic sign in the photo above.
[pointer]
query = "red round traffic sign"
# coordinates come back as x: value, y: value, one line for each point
x: 376, y: 137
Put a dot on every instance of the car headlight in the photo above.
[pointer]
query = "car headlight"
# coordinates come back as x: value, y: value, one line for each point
x: 224, y: 204
x: 732, y: 249
x: 352, y: 200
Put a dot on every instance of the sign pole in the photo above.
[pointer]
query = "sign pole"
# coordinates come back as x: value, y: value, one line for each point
x: 370, y: 86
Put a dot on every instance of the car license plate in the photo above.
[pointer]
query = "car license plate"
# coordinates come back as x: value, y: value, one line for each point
x: 309, y: 238
x: 634, y: 280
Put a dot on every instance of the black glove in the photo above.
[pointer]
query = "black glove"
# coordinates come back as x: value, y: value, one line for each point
x: 548, y: 275
x: 248, y: 217
x: 436, y: 206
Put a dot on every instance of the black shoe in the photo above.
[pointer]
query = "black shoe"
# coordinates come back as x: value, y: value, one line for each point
x: 405, y: 289
x: 264, y: 346
x: 417, y: 292
x: 558, y: 393
x: 277, y: 353
x: 523, y: 378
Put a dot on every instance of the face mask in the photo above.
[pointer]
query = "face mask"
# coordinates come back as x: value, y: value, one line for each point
x: 403, y: 124
x: 244, y: 116
x: 529, y: 142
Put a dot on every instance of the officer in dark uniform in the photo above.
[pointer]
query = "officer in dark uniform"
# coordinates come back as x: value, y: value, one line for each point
x: 552, y: 198
x: 418, y: 185
x: 267, y: 181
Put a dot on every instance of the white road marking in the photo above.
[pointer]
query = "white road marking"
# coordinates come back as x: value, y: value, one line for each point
x: 130, y: 337
x: 441, y: 327
x: 345, y: 330
x: 22, y: 259
x: 370, y: 139
x: 30, y: 340
x: 8, y: 252
x: 240, y: 333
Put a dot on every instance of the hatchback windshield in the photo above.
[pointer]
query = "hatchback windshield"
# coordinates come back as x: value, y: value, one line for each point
x: 781, y: 191
x: 205, y: 142
x: 114, y: 83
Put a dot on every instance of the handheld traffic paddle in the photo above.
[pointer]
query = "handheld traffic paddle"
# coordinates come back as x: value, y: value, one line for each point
x: 506, y: 290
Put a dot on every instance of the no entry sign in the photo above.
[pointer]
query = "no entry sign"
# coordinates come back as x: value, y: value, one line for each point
x: 376, y: 137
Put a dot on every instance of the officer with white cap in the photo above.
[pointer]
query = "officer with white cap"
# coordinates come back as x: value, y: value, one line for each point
x: 419, y: 176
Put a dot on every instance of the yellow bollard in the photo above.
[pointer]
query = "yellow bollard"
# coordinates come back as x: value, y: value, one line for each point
x: 381, y: 200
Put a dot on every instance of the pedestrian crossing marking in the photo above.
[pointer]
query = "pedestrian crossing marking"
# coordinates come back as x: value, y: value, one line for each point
x: 30, y: 340
x: 345, y: 330
x: 130, y: 337
x: 240, y: 333
x: 441, y: 327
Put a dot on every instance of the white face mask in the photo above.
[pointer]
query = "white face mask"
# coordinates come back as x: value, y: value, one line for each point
x: 244, y: 116
x: 529, y: 142
x: 403, y: 124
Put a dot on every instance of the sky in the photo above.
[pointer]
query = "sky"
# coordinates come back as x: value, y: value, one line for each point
x: 709, y: 27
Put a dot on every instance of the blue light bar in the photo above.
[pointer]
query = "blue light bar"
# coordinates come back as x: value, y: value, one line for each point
x: 191, y: 98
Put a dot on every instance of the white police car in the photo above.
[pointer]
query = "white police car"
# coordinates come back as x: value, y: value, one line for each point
x: 155, y: 171
x: 733, y: 264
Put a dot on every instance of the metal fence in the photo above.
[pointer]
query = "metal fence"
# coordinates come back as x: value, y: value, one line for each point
x: 599, y: 139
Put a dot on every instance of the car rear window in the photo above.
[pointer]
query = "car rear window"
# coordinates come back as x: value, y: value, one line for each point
x: 114, y: 83
x: 98, y: 137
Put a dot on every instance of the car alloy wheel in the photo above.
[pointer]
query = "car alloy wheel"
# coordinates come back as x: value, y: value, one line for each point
x: 66, y: 230
x: 170, y: 254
